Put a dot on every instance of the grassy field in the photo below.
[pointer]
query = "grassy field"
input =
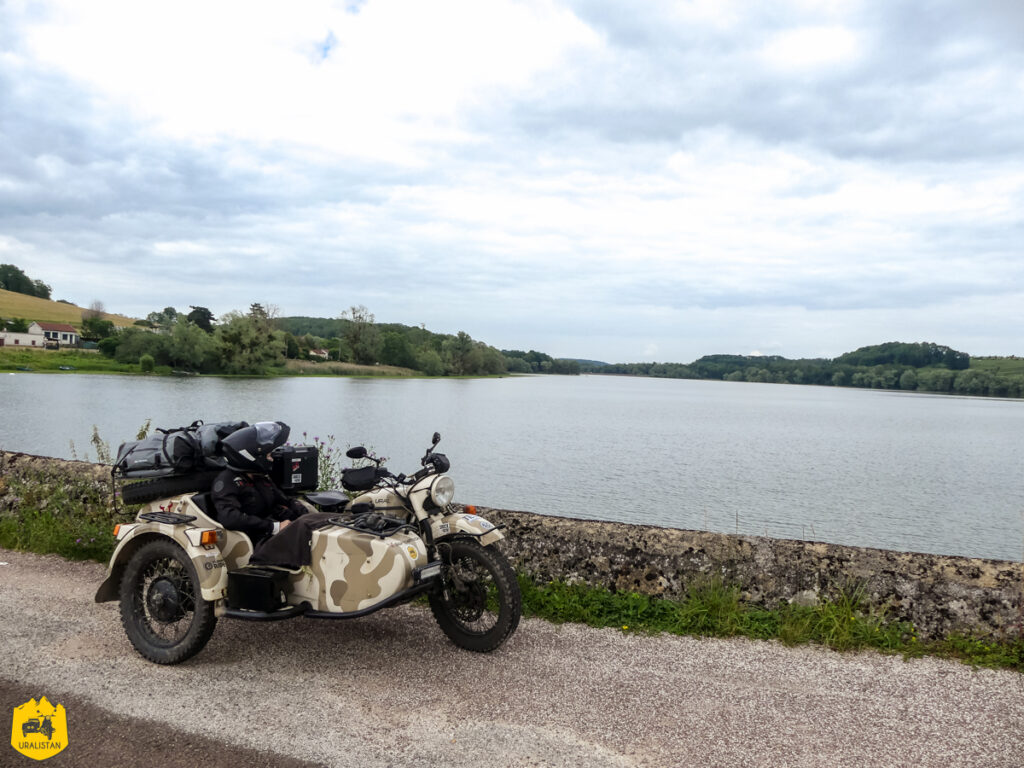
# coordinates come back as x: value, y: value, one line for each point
x: 1006, y: 366
x: 50, y: 361
x: 18, y: 305
x: 310, y: 368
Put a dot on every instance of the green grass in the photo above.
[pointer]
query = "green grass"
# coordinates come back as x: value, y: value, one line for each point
x: 31, y: 308
x: 1005, y: 366
x: 714, y: 609
x: 71, y: 518
x: 49, y: 361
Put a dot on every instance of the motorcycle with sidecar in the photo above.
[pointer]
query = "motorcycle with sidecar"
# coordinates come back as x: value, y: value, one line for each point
x: 391, y: 538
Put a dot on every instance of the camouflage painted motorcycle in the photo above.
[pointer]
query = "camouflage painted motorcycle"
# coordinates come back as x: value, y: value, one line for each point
x: 176, y: 570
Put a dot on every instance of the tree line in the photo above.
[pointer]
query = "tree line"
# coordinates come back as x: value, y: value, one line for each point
x: 13, y: 279
x: 258, y: 341
x: 922, y: 367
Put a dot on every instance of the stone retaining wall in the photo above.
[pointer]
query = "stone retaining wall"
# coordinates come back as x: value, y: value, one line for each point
x: 938, y: 593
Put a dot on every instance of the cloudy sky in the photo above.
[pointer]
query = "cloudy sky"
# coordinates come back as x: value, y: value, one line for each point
x: 614, y: 181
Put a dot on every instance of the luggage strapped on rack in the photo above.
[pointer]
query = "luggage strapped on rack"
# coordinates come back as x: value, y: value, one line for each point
x: 176, y: 451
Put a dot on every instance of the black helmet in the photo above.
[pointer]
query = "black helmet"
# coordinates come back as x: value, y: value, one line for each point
x: 246, y: 450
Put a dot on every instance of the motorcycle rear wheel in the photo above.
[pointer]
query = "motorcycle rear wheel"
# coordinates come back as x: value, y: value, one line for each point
x: 479, y: 604
x: 162, y: 607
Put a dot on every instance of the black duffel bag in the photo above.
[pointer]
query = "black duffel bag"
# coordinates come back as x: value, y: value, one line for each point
x: 175, y: 451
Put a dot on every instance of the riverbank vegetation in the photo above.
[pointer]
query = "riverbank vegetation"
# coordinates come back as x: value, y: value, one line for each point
x: 913, y: 367
x: 715, y: 609
x: 71, y: 515
x: 259, y: 343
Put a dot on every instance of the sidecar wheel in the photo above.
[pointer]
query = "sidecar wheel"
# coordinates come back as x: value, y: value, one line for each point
x: 479, y: 605
x: 162, y: 608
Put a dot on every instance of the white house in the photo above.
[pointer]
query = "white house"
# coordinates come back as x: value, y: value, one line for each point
x: 62, y: 333
x: 28, y: 340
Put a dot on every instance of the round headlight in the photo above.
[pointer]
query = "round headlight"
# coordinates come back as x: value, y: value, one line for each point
x: 442, y: 491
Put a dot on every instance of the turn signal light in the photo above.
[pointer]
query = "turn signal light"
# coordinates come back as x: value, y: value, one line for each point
x: 208, y: 538
x: 470, y: 509
x: 117, y: 529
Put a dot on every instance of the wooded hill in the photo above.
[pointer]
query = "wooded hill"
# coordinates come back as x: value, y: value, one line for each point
x: 922, y: 366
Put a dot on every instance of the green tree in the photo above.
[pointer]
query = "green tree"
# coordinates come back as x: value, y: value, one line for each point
x: 17, y: 325
x: 191, y: 347
x: 291, y: 347
x: 201, y: 317
x: 935, y: 380
x: 972, y: 382
x: 163, y: 320
x: 96, y: 328
x: 909, y: 379
x: 108, y: 346
x: 247, y: 344
x: 457, y: 354
x: 146, y: 363
x: 395, y: 350
x: 13, y: 279
x: 135, y: 342
x: 491, y: 361
x: 517, y: 365
x: 428, y: 361
x: 362, y: 335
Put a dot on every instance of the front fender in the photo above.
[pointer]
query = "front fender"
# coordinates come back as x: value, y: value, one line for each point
x: 207, y: 560
x: 461, y: 523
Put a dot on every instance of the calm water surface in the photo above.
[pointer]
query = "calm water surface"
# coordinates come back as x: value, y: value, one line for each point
x: 883, y: 469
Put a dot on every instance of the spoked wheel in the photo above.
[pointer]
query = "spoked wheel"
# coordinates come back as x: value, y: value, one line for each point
x: 162, y: 609
x: 479, y: 603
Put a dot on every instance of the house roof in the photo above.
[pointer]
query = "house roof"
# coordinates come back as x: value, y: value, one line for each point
x: 62, y: 327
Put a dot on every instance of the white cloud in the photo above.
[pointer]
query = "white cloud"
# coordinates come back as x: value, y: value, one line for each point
x: 809, y: 48
x: 394, y: 79
x: 678, y: 179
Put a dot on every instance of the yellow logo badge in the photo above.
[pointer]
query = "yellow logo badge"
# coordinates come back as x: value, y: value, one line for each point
x: 39, y: 729
x: 413, y: 553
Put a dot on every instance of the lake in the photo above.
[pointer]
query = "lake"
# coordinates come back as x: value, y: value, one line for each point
x: 912, y: 472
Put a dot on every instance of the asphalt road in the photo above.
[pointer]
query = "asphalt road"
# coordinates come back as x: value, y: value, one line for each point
x: 390, y: 690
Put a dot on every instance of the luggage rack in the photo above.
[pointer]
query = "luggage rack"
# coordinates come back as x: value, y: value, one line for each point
x: 373, y: 523
x: 170, y: 518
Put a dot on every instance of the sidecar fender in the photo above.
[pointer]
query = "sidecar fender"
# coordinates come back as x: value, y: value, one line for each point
x: 465, y: 524
x: 208, y: 560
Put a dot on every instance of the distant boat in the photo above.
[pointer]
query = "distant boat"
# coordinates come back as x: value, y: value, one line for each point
x: 66, y: 367
x: 23, y: 368
x: 184, y: 373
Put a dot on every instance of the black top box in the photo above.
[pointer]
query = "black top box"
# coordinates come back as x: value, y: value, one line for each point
x: 295, y: 467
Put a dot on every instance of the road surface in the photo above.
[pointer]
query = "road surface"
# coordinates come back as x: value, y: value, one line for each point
x: 390, y: 690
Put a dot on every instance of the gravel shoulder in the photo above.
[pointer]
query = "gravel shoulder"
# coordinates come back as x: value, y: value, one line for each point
x: 390, y: 690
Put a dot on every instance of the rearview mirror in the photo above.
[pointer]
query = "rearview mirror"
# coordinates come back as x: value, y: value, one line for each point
x: 359, y: 452
x: 437, y: 438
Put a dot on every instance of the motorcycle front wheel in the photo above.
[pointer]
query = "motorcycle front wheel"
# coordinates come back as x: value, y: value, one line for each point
x: 479, y: 603
x: 162, y: 608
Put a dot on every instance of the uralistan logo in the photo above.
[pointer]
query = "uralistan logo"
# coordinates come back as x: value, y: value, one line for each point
x: 39, y: 729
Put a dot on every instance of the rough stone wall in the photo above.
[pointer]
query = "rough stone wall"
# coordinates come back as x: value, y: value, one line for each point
x: 938, y: 593
x: 25, y: 463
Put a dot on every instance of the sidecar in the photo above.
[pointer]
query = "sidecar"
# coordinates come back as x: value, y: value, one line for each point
x: 176, y: 570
